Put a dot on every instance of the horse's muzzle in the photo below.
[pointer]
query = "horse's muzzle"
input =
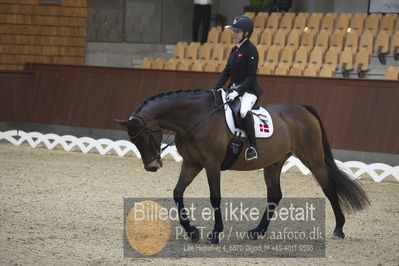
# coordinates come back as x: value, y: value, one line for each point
x: 154, y: 165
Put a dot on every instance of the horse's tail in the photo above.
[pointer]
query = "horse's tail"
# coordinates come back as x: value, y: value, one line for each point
x: 351, y: 195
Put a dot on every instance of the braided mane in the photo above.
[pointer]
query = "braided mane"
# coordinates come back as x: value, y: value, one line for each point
x: 168, y: 93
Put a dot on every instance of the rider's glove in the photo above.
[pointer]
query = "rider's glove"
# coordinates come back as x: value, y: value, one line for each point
x: 231, y: 96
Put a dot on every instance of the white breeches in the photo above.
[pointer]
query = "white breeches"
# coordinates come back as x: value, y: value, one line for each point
x: 247, y: 101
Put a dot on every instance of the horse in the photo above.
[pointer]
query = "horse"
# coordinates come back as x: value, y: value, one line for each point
x: 201, y: 139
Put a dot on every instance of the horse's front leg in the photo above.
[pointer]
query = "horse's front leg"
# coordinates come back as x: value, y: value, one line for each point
x: 187, y: 174
x: 213, y: 175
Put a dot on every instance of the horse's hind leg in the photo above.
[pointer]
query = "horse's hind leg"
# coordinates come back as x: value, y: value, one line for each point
x: 187, y: 174
x: 313, y: 158
x: 274, y: 195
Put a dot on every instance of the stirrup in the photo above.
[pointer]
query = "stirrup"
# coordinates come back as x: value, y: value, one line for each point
x: 251, y: 154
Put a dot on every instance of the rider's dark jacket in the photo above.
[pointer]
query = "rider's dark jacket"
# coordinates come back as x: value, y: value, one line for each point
x: 241, y: 67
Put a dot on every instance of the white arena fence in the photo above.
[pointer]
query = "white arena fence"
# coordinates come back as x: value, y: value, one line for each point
x: 377, y: 171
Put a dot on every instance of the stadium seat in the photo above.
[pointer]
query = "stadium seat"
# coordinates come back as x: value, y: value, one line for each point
x: 287, y: 21
x: 310, y: 71
x: 388, y: 23
x: 214, y: 35
x: 158, y: 63
x: 316, y: 57
x: 219, y: 52
x: 251, y: 15
x: 205, y: 51
x: 255, y: 37
x: 273, y: 21
x: 296, y: 70
x: 180, y: 50
x: 301, y: 56
x: 357, y: 22
x: 304, y: 14
x: 265, y: 70
x: 372, y: 22
x: 273, y: 56
x: 170, y: 65
x: 322, y: 40
x: 287, y: 56
x: 266, y: 37
x: 346, y: 61
x: 293, y: 38
x: 260, y: 20
x: 367, y: 41
x: 395, y: 45
x: 352, y: 41
x: 146, y: 62
x: 192, y: 51
x: 331, y: 14
x: 280, y: 38
x: 342, y: 23
x: 184, y: 65
x: 281, y: 70
x: 337, y: 40
x: 382, y: 45
x: 362, y: 62
x: 198, y: 65
x: 392, y: 73
x: 308, y: 39
x: 326, y: 72
x: 226, y: 36
x: 262, y: 50
x: 331, y: 58
x: 300, y: 21
x: 327, y: 23
x: 211, y: 66
x: 314, y: 23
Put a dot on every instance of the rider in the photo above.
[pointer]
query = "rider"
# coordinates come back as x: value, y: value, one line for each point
x: 241, y: 67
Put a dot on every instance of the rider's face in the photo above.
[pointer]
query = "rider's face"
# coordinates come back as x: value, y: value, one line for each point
x: 237, y: 35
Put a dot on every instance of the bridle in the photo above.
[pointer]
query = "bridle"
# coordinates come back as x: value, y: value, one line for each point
x: 148, y: 131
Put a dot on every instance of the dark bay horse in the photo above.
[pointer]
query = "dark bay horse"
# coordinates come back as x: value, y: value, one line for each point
x: 298, y: 131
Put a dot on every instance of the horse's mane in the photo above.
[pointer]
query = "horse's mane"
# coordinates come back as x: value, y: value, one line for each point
x: 168, y: 93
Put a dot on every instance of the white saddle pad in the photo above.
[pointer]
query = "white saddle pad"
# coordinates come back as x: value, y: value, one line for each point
x: 262, y: 121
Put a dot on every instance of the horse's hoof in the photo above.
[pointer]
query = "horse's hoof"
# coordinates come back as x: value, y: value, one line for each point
x: 338, y: 235
x: 211, y: 240
x: 254, y: 234
x: 194, y: 235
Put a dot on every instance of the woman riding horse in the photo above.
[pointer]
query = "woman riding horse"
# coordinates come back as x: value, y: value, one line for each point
x: 241, y: 67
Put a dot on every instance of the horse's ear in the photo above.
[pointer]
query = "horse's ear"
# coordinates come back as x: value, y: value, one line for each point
x: 122, y: 122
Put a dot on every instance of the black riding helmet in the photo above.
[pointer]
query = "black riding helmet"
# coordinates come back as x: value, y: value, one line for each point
x: 243, y: 23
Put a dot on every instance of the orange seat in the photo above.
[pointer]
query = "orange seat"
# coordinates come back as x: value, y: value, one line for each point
x: 287, y: 21
x: 327, y: 23
x: 273, y: 21
x: 280, y: 38
x: 146, y: 62
x: 266, y: 37
x: 367, y: 41
x: 294, y: 38
x: 260, y: 20
x: 337, y: 40
x: 322, y: 40
x: 342, y: 23
x: 352, y: 41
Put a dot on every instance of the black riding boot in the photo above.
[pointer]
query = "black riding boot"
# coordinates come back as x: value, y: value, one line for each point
x: 251, y: 152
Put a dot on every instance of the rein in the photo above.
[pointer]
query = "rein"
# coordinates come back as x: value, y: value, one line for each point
x: 195, y: 124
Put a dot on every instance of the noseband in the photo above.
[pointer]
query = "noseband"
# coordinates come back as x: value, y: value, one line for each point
x: 148, y: 131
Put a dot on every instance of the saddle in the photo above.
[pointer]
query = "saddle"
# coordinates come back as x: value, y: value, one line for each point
x: 262, y: 123
x: 262, y: 120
